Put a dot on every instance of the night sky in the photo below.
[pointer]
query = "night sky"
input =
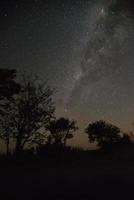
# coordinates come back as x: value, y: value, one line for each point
x: 83, y: 48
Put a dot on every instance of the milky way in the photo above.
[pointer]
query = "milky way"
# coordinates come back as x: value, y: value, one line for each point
x: 83, y: 48
x: 104, y: 84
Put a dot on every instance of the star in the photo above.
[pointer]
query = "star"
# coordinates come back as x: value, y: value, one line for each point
x: 5, y: 14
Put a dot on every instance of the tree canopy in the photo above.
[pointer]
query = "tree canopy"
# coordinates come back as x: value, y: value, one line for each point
x: 33, y: 109
x: 61, y: 129
x: 105, y: 134
x: 8, y: 85
x: 26, y: 113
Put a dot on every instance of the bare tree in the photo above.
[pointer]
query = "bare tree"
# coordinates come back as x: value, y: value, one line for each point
x: 33, y: 109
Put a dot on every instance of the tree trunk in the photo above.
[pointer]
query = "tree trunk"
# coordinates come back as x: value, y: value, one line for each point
x: 65, y: 139
x: 64, y: 142
x: 7, y: 147
x: 18, y: 146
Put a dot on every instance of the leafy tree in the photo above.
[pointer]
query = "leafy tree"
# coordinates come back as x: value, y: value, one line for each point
x: 105, y: 134
x: 8, y: 85
x: 8, y: 88
x: 60, y: 130
x: 32, y: 110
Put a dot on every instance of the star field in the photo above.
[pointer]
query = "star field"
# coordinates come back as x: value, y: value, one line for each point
x: 83, y: 48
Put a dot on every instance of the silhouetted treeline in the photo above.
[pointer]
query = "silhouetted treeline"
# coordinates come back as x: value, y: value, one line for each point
x: 107, y: 135
x: 27, y: 117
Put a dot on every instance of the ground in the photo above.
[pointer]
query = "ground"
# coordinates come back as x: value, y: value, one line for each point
x: 75, y: 177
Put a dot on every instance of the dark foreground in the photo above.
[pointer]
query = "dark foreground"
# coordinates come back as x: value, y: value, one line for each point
x: 80, y: 176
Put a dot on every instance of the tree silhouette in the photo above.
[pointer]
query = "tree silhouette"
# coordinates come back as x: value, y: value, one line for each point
x: 126, y: 139
x: 105, y: 134
x: 8, y: 85
x: 60, y: 130
x: 8, y: 88
x: 32, y: 110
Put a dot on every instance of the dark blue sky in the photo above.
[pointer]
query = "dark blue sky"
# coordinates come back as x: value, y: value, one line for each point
x: 85, y: 49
